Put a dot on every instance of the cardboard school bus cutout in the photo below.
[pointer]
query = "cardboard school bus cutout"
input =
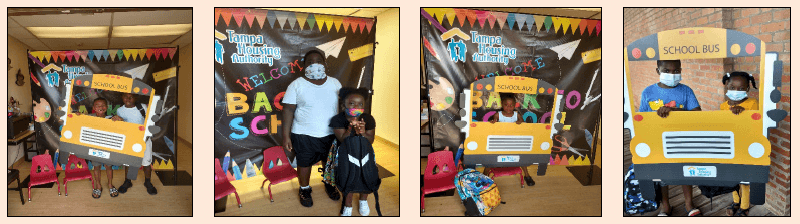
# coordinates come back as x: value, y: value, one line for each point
x: 100, y: 139
x: 508, y: 144
x: 712, y: 147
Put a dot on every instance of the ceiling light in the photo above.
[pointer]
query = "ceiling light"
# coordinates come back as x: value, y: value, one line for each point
x: 70, y: 32
x: 151, y: 30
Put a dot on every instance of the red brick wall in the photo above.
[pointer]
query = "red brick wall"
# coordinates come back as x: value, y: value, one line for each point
x: 704, y: 76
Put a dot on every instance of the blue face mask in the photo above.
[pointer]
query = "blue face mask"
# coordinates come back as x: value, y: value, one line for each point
x: 736, y: 95
x: 670, y: 80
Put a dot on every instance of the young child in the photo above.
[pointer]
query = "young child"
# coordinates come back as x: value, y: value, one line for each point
x: 663, y: 97
x: 353, y: 120
x: 100, y: 106
x: 737, y: 84
x: 509, y: 114
x: 129, y: 112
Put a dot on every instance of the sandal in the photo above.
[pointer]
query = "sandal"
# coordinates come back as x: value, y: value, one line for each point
x: 113, y: 192
x: 742, y: 212
x: 96, y: 193
x: 694, y: 212
x: 732, y: 209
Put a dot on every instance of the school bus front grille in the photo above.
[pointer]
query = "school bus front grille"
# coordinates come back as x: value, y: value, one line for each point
x: 509, y: 143
x: 698, y: 144
x: 102, y: 138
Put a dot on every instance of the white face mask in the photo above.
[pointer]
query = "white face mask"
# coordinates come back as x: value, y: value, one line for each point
x: 670, y: 80
x: 736, y: 95
x: 315, y: 71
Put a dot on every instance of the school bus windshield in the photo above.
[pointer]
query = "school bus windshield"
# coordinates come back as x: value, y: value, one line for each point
x: 83, y: 98
x: 532, y: 107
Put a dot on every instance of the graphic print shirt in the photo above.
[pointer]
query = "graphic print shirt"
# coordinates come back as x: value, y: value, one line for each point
x: 653, y: 97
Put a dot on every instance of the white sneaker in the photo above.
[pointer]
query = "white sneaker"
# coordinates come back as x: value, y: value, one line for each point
x: 363, y: 208
x: 348, y: 211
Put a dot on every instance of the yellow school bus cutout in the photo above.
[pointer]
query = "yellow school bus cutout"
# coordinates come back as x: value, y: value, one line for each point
x: 508, y: 144
x: 103, y: 140
x: 713, y: 148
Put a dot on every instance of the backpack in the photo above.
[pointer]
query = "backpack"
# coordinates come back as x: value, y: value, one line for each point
x: 356, y: 170
x: 478, y: 193
x: 142, y: 111
x: 634, y: 202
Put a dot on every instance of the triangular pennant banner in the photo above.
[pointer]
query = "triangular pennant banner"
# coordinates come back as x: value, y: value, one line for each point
x: 501, y: 18
x: 436, y: 12
x: 226, y: 15
x: 590, y: 25
x: 491, y: 20
x: 311, y: 21
x: 291, y: 19
x: 548, y: 23
x: 250, y: 17
x: 90, y: 55
x: 143, y: 54
x: 354, y: 24
x: 598, y: 27
x: 261, y: 16
x: 337, y: 21
x: 482, y: 16
x: 574, y: 23
x: 370, y: 22
x: 127, y: 53
x: 471, y: 17
x: 520, y: 19
x: 271, y: 18
x: 282, y: 17
x: 171, y: 52
x: 450, y: 14
x: 301, y: 19
x: 346, y: 24
x: 362, y: 23
x: 557, y: 24
x: 238, y: 15
x: 582, y: 26
x: 461, y: 14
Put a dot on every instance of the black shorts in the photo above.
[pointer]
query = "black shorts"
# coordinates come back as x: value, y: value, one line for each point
x: 310, y: 150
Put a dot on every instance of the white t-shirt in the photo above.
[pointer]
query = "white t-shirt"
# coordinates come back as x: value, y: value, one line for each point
x: 502, y: 118
x: 131, y: 115
x: 316, y: 105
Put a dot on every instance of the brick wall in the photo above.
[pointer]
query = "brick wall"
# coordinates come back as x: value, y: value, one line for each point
x: 704, y: 76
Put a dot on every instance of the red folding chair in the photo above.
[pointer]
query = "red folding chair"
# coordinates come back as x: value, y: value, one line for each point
x: 42, y: 172
x: 77, y: 169
x: 507, y: 171
x: 222, y: 186
x: 441, y: 181
x: 281, y: 170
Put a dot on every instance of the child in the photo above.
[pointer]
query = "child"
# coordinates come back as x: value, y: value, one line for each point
x: 736, y: 86
x: 132, y: 113
x: 309, y: 104
x: 100, y: 106
x: 353, y: 120
x: 508, y: 114
x: 678, y: 97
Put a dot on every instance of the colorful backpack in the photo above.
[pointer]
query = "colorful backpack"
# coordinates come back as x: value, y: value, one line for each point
x: 478, y: 193
x: 634, y: 203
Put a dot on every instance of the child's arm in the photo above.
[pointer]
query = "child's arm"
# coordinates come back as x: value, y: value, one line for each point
x: 288, y: 118
x: 495, y: 117
x: 519, y: 118
x: 341, y: 133
x: 360, y: 129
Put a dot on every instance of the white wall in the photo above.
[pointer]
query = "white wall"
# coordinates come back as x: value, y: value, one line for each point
x: 18, y: 53
x: 386, y: 101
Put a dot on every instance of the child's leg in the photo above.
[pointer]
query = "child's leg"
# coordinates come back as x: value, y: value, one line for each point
x: 363, y: 196
x: 110, y: 175
x: 348, y: 201
x: 687, y: 197
x: 525, y: 170
x: 97, y: 178
x: 665, y: 207
x: 745, y: 195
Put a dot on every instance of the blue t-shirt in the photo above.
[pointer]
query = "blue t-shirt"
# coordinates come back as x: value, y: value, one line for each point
x: 653, y: 97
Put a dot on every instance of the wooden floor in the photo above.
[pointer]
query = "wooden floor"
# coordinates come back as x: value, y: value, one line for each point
x: 556, y: 194
x: 676, y: 199
x: 255, y: 201
x: 170, y: 201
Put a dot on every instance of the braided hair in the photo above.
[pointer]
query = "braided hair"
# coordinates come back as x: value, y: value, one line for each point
x: 727, y: 77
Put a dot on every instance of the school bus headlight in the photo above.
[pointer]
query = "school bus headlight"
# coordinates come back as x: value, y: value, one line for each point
x: 642, y: 150
x: 472, y: 145
x: 756, y: 150
x: 137, y: 147
x: 545, y: 145
x: 68, y: 134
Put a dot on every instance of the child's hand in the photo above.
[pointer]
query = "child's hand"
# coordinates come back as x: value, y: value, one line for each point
x: 116, y: 118
x: 737, y: 109
x: 519, y: 121
x: 493, y: 118
x: 663, y: 111
x: 360, y: 127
